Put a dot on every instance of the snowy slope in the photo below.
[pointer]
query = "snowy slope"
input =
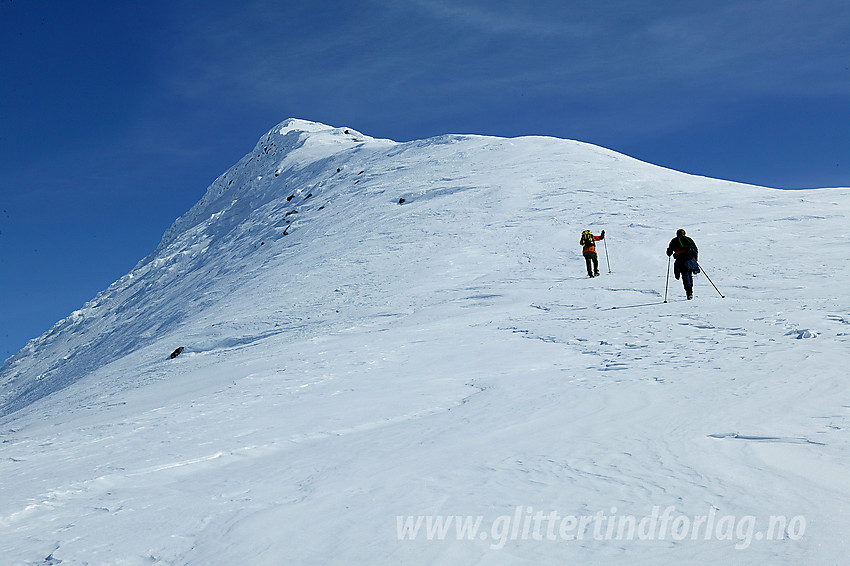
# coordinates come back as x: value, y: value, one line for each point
x: 351, y: 361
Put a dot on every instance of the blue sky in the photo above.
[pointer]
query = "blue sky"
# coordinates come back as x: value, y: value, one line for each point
x: 116, y: 116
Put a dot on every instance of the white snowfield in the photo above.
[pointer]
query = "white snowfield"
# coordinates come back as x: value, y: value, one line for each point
x: 437, y: 381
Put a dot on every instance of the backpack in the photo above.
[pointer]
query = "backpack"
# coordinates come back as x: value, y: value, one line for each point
x: 688, y: 248
x: 587, y: 238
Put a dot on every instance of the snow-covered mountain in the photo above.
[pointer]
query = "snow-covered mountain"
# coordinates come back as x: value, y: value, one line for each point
x: 379, y: 335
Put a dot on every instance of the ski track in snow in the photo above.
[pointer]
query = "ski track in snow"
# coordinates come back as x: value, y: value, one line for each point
x: 350, y: 358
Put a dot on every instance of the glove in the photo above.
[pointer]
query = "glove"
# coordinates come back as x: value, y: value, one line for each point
x: 602, y: 234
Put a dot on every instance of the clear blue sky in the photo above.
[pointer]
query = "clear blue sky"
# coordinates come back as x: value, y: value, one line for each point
x: 115, y: 116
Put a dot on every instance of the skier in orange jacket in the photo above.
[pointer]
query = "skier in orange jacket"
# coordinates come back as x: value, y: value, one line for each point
x: 588, y: 241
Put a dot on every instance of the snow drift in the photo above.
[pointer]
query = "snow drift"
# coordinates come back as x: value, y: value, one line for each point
x: 377, y: 331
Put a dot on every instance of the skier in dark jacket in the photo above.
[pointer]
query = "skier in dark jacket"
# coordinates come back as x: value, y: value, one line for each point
x: 588, y: 242
x: 685, y: 251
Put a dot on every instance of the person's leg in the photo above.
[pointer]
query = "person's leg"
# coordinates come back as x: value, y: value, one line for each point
x: 688, y: 282
x: 595, y: 264
x: 589, y: 267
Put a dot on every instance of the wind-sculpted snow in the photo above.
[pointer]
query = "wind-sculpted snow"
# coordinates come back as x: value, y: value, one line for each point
x: 213, y: 239
x: 376, y: 331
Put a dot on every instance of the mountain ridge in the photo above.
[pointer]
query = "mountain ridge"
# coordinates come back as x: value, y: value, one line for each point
x: 296, y: 168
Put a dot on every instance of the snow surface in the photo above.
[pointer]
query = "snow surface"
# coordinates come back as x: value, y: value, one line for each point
x: 351, y: 361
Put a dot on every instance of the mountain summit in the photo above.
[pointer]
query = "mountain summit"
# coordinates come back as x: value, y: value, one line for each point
x: 347, y: 337
x: 176, y: 281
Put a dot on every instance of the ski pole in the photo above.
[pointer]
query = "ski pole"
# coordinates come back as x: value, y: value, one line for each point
x: 606, y: 255
x: 722, y: 296
x: 667, y: 284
